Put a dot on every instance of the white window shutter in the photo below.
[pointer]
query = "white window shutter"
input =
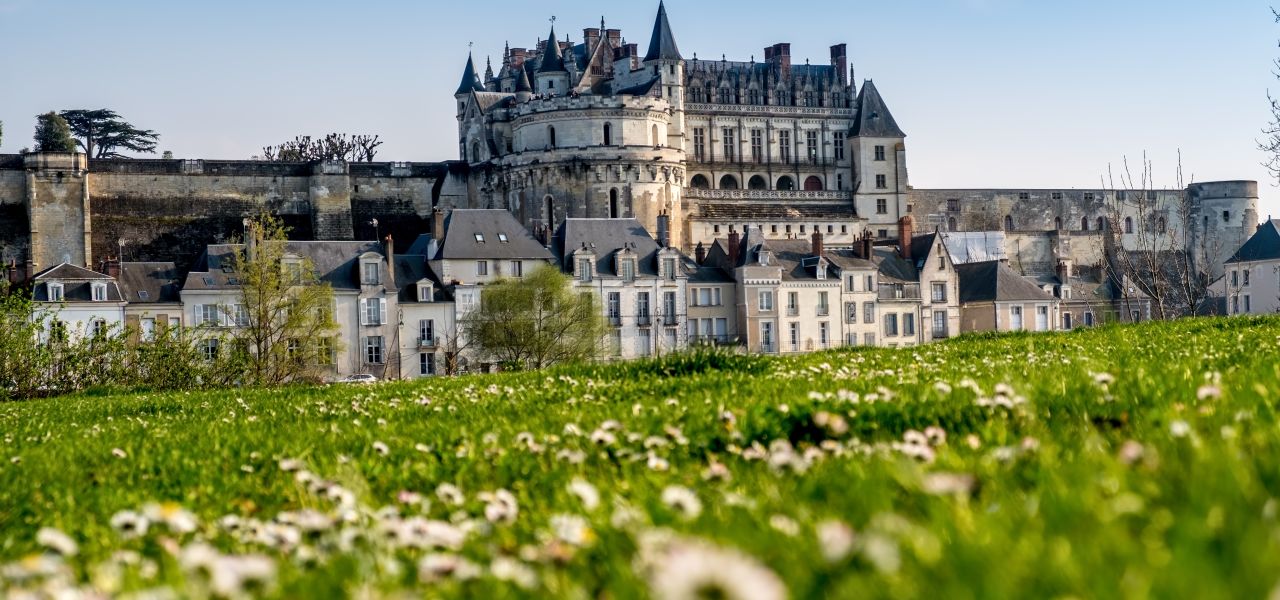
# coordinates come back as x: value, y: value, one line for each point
x: 364, y: 311
x: 382, y: 311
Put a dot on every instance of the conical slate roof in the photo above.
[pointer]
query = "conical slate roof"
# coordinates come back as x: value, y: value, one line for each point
x: 522, y: 82
x: 552, y: 60
x: 874, y: 119
x: 662, y: 46
x: 470, y: 81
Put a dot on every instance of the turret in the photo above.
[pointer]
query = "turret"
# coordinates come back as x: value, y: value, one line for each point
x: 470, y: 81
x: 552, y: 78
x: 524, y: 89
x: 664, y: 57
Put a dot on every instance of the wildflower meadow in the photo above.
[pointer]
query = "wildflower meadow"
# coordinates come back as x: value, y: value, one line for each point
x: 1117, y: 462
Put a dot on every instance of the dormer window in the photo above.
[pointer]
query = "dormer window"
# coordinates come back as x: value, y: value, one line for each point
x: 669, y: 269
x: 584, y: 270
x: 425, y: 292
x: 55, y: 292
x: 479, y: 238
x: 370, y: 272
x: 292, y: 270
x: 821, y: 271
x: 627, y: 269
x: 99, y: 292
x: 502, y: 237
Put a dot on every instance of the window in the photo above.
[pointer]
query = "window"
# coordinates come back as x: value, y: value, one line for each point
x: 939, y: 324
x: 851, y: 284
x: 1162, y: 226
x: 643, y: 313
x: 1246, y: 277
x: 206, y: 314
x: 1247, y: 306
x: 908, y: 324
x: 55, y: 292
x: 1042, y: 318
x: 427, y: 363
x: 1235, y: 279
x: 584, y: 270
x: 953, y: 204
x: 939, y: 291
x: 793, y: 303
x: 615, y: 342
x: 1088, y: 196
x: 870, y: 284
x: 670, y: 337
x: 517, y: 268
x: 699, y: 144
x: 837, y: 141
x: 369, y: 272
x: 811, y: 146
x: 766, y: 337
x: 669, y: 307
x: 374, y: 311
x: 1057, y: 223
x: 757, y: 146
x: 1226, y: 216
x: 868, y: 312
x: 882, y: 182
x: 1235, y: 305
x: 1066, y: 321
x: 882, y: 206
x: 839, y: 181
x: 241, y: 313
x: 730, y: 144
x: 293, y: 271
x: 1056, y: 196
x: 891, y: 325
x: 1101, y: 224
x: 608, y: 134
x: 644, y: 342
x: 794, y: 329
x: 373, y: 350
x: 869, y: 339
x: 850, y: 312
x: 627, y: 268
x: 147, y: 329
x: 209, y: 349
x: 482, y: 268
x: 551, y: 131
x: 615, y: 308
x: 1008, y: 223
x: 784, y: 147
x: 823, y: 307
x: 1084, y: 224
x: 824, y: 334
x: 951, y: 224
x: 1015, y: 318
x: 766, y: 301
x: 99, y: 292
x: 879, y: 152
x: 1088, y: 319
x: 1024, y: 196
x: 97, y: 328
x: 1128, y: 224
x: 427, y: 332
x: 669, y: 269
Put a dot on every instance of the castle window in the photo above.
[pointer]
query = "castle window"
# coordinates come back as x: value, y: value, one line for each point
x: 811, y: 144
x: 699, y: 182
x: 757, y: 183
x: 882, y: 206
x: 1101, y: 224
x: 1008, y: 223
x: 728, y: 182
x: 786, y: 184
x: 1161, y: 226
x: 1088, y: 196
x: 879, y: 153
x: 753, y: 97
x: 953, y: 204
x: 99, y: 292
x: 813, y: 184
x: 699, y: 144
x: 730, y: 144
x: 882, y: 182
x: 1226, y: 216
x: 475, y: 151
x: 1084, y: 224
x: 608, y: 134
x: 784, y: 147
x: 1128, y: 224
x: 1057, y: 223
x: 951, y: 224
x: 656, y: 142
x: 1056, y: 195
x: 1024, y: 196
x: 837, y: 140
x: 757, y: 146
x: 551, y: 135
x: 54, y: 291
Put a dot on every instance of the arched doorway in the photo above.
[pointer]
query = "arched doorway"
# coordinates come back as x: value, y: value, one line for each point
x: 757, y: 183
x: 699, y: 182
x: 608, y: 134
x: 1084, y: 224
x: 813, y: 184
x: 786, y: 183
x: 728, y: 182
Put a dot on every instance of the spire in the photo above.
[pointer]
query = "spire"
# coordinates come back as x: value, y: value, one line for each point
x: 552, y: 60
x: 873, y: 118
x: 488, y: 69
x: 662, y: 46
x: 522, y: 82
x: 470, y: 81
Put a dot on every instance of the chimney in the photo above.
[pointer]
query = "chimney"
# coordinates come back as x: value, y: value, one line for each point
x: 111, y: 268
x: 817, y: 244
x: 734, y: 247
x: 437, y: 224
x: 591, y: 35
x: 700, y: 253
x: 664, y: 230
x: 1064, y: 271
x: 250, y: 239
x: 905, y: 228
x: 868, y: 242
x: 390, y: 251
x: 31, y: 271
x: 517, y: 56
x: 614, y: 36
x: 840, y: 61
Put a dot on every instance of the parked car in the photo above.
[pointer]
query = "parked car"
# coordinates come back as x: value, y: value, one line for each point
x: 359, y: 378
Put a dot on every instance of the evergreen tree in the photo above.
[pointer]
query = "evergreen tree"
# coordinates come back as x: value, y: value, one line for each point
x: 53, y: 134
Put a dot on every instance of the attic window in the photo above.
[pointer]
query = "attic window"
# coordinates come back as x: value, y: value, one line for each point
x: 502, y: 237
x: 144, y: 295
x: 479, y: 238
x: 208, y: 281
x: 99, y: 291
x: 55, y: 292
x: 233, y: 281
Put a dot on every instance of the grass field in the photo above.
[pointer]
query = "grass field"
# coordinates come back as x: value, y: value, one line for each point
x: 1120, y: 462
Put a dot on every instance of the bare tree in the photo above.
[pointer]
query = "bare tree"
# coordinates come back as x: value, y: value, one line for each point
x: 335, y: 146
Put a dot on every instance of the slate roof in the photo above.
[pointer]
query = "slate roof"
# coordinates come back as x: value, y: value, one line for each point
x: 522, y: 83
x: 662, y: 46
x: 552, y: 59
x: 848, y: 260
x: 149, y: 282
x: 796, y: 259
x: 334, y: 262
x: 607, y: 237
x: 994, y: 281
x: 874, y: 119
x: 487, y: 100
x: 893, y: 267
x: 76, y: 283
x: 460, y: 241
x: 643, y: 89
x: 470, y: 80
x: 1264, y: 245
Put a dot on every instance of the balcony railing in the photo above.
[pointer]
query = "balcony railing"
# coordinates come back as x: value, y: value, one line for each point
x: 715, y: 340
x: 670, y: 320
x: 940, y: 334
x: 767, y: 194
x: 793, y: 311
x: 644, y: 320
x: 824, y: 311
x: 902, y: 291
x: 769, y: 348
x: 428, y: 342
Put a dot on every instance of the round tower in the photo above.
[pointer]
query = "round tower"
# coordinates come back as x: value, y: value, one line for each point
x: 1224, y: 215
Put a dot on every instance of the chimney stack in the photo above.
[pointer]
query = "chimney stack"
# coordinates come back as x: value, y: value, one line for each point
x: 1064, y: 271
x: 437, y: 224
x: 734, y: 248
x: 905, y: 229
x: 817, y: 244
x: 390, y: 251
x: 700, y: 253
x: 111, y: 267
x: 664, y: 230
x: 840, y: 61
x: 865, y: 244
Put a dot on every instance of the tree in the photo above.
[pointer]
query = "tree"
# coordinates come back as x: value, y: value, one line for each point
x: 53, y: 134
x: 1271, y: 145
x: 286, y: 329
x: 535, y: 322
x: 335, y: 146
x: 100, y: 132
x: 1, y: 133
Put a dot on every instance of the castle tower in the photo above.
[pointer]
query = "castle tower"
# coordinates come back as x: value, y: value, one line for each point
x: 552, y: 78
x: 664, y: 56
x: 879, y: 154
x: 58, y: 209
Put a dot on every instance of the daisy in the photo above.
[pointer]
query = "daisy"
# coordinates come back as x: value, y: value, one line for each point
x: 835, y: 539
x: 572, y: 529
x: 690, y: 569
x: 130, y: 524
x: 586, y: 493
x: 57, y: 541
x: 683, y: 499
x: 435, y: 567
x: 381, y: 448
x: 450, y: 494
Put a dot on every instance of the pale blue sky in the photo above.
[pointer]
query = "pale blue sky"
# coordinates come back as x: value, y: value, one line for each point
x: 992, y: 93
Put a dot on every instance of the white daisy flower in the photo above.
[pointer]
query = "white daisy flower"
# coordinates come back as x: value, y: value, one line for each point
x: 683, y: 500
x: 835, y: 539
x: 585, y: 492
x: 450, y: 494
x: 130, y: 524
x: 57, y: 541
x: 690, y: 569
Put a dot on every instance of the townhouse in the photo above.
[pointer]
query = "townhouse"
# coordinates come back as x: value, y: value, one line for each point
x: 995, y: 298
x: 76, y: 303
x: 1251, y: 278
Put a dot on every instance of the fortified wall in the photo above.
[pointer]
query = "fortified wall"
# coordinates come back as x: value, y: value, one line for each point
x: 58, y: 208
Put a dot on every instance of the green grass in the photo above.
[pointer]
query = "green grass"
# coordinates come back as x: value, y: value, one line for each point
x: 1162, y: 483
